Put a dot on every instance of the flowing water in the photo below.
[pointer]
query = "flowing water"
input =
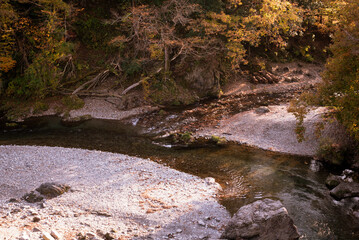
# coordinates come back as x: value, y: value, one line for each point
x: 247, y: 174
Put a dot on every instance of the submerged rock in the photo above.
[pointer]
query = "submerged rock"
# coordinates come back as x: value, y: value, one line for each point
x: 345, y: 190
x: 261, y: 220
x: 332, y: 181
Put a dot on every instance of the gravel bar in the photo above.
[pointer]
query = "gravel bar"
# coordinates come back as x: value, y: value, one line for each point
x: 127, y: 197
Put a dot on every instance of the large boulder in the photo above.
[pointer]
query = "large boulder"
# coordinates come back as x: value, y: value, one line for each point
x: 262, y: 220
x: 333, y: 180
x: 51, y: 189
x: 345, y: 190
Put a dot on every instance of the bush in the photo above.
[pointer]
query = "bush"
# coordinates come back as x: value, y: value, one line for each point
x: 73, y: 102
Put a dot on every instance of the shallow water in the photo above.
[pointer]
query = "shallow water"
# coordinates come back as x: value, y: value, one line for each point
x: 247, y: 174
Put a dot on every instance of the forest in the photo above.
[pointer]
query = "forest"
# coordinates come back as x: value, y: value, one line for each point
x: 177, y: 51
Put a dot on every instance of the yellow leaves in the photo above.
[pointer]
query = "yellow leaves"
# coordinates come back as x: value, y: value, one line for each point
x: 220, y: 16
x: 156, y: 51
x: 274, y: 19
x: 6, y: 64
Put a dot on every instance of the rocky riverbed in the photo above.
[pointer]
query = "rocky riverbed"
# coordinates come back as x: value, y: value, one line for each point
x: 111, y: 195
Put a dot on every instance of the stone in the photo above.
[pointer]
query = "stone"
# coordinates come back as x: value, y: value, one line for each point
x: 261, y: 220
x: 345, y: 190
x: 179, y: 230
x: 35, y: 229
x: 32, y: 197
x: 51, y: 189
x: 24, y: 236
x: 210, y: 180
x: 14, y: 200
x: 47, y: 236
x: 90, y: 234
x: 262, y: 110
x: 315, y: 165
x: 108, y: 236
x: 36, y: 219
x: 201, y: 223
x: 332, y: 181
x: 55, y: 234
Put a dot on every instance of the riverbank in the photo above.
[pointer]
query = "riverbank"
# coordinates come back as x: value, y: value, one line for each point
x: 233, y: 116
x: 273, y: 128
x: 126, y: 197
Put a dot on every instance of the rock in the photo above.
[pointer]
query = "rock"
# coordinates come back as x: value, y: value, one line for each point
x: 348, y: 175
x: 201, y: 223
x: 179, y: 230
x: 36, y: 219
x: 75, y: 121
x: 261, y: 220
x: 35, y: 229
x: 262, y: 110
x: 90, y: 234
x: 108, y: 236
x: 55, y: 234
x: 315, y: 165
x: 47, y: 236
x: 24, y: 236
x: 52, y: 189
x: 32, y: 197
x: 14, y: 200
x: 345, y: 190
x: 332, y: 181
x: 210, y: 180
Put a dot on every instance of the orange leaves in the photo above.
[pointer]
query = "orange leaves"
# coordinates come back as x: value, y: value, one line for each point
x: 6, y: 64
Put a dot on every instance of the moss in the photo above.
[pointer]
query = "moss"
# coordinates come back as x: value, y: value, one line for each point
x: 162, y: 112
x: 73, y: 102
x: 16, y: 110
x: 11, y: 124
x: 40, y: 107
x: 184, y: 138
x: 219, y: 140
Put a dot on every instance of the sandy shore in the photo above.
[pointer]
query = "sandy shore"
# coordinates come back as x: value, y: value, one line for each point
x: 128, y: 197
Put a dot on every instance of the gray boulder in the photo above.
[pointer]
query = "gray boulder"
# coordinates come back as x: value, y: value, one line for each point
x: 51, y: 189
x: 262, y: 110
x: 333, y: 180
x: 262, y: 220
x: 345, y: 190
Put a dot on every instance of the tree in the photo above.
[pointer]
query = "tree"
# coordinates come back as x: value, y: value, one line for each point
x: 33, y: 37
x: 340, y: 90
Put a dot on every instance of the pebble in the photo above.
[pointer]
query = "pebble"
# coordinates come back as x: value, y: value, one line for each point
x: 179, y: 230
x: 55, y: 234
x: 35, y: 229
x: 91, y: 234
x: 24, y: 236
x: 36, y: 219
x: 47, y: 236
x: 201, y: 223
x: 210, y: 180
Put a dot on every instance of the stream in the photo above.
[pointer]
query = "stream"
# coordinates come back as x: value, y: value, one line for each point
x: 246, y: 174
